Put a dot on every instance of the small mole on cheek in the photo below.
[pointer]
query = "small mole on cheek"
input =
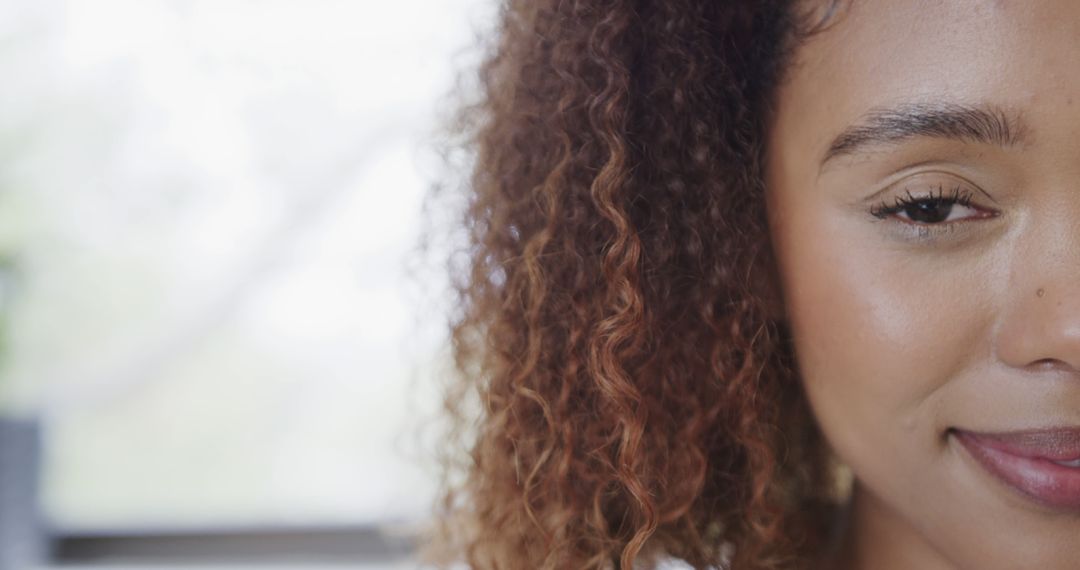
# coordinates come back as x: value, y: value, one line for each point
x: 1040, y: 292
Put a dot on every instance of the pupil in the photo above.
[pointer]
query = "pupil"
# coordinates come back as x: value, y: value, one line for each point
x: 929, y: 211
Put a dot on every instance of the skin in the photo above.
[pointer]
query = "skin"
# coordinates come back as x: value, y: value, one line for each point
x: 976, y: 325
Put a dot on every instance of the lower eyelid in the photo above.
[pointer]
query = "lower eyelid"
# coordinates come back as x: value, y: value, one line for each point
x: 924, y: 233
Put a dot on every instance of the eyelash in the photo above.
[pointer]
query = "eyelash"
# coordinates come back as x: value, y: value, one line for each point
x: 956, y: 196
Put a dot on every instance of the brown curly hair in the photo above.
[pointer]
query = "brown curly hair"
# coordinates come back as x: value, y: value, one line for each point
x: 623, y: 391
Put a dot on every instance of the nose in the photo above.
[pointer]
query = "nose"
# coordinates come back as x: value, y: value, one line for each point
x: 1040, y: 327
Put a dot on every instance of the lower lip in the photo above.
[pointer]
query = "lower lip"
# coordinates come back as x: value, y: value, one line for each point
x: 1041, y: 480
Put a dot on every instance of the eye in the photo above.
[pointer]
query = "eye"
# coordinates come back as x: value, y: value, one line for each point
x: 942, y: 208
x: 930, y: 210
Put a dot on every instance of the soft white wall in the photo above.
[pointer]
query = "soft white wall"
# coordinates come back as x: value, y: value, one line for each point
x: 209, y: 204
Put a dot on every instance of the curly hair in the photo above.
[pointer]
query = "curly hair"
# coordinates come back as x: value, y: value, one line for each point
x: 632, y: 395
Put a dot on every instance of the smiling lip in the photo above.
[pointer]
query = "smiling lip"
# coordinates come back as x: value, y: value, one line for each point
x: 1031, y: 462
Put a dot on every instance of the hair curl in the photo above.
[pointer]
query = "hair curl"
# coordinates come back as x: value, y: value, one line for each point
x: 635, y: 397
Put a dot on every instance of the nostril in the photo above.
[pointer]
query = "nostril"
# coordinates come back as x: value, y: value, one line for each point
x: 1053, y: 365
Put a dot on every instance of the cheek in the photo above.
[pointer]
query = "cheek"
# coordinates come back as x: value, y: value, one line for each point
x: 879, y: 331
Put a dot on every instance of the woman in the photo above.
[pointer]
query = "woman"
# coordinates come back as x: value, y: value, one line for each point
x: 722, y: 252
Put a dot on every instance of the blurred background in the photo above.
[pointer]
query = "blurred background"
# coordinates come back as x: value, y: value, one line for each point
x: 215, y: 339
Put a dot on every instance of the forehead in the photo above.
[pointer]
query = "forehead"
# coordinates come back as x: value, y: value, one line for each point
x: 1015, y: 54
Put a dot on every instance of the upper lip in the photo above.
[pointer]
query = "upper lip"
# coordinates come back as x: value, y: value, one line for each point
x: 1053, y: 444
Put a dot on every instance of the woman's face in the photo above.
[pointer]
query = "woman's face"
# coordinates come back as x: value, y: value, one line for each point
x: 959, y: 313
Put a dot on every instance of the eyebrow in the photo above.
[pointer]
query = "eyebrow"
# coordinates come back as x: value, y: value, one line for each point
x: 889, y: 126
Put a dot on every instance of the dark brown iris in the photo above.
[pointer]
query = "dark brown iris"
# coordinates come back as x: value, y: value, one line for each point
x: 929, y: 211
